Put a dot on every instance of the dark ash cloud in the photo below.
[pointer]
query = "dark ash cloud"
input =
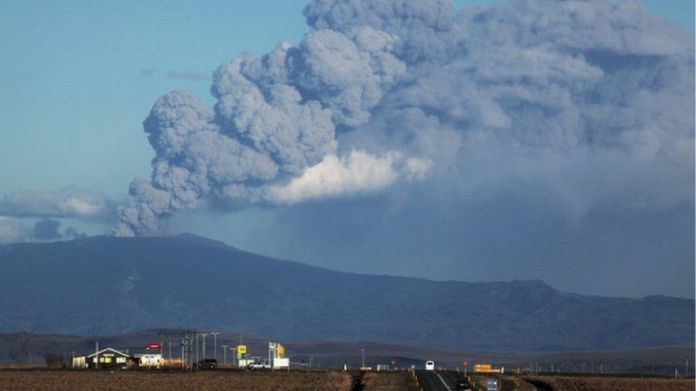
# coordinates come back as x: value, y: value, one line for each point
x: 47, y: 229
x: 21, y: 229
x: 433, y: 120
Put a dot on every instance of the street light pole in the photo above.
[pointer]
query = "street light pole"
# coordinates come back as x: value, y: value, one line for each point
x: 224, y: 354
x: 183, y: 357
x: 362, y: 353
x: 204, y: 335
x: 196, y: 335
x: 215, y: 334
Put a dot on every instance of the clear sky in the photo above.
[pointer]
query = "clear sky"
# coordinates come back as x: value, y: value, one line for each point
x: 79, y: 77
x: 75, y: 86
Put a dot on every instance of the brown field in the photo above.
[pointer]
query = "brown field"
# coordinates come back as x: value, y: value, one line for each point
x: 510, y: 383
x: 140, y: 380
x: 301, y: 380
x: 563, y: 383
x: 389, y: 381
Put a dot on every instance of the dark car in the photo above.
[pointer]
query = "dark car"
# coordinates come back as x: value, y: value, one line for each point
x: 463, y: 385
x: 207, y: 363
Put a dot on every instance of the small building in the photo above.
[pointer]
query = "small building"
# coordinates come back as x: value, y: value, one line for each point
x: 149, y: 360
x: 110, y: 358
x: 281, y: 362
x: 79, y: 362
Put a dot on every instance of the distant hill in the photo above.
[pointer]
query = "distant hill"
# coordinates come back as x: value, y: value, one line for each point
x: 110, y: 285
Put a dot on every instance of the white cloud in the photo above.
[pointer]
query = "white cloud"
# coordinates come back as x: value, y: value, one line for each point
x: 417, y: 169
x: 358, y: 172
x: 54, y: 203
x: 12, y: 230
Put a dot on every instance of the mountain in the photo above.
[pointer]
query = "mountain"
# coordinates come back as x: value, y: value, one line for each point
x: 110, y: 285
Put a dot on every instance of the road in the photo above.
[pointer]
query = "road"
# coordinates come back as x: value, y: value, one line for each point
x: 437, y: 380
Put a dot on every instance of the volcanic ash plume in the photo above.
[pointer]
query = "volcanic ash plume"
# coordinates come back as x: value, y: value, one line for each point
x: 385, y: 93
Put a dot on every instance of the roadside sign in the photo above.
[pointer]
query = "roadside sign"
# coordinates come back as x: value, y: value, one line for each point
x: 491, y: 384
x: 154, y: 346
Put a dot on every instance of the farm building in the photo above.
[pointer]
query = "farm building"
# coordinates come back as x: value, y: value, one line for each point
x: 110, y: 358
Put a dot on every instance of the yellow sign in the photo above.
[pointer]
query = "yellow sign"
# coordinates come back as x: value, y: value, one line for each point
x: 485, y: 368
x: 281, y: 350
x: 241, y: 351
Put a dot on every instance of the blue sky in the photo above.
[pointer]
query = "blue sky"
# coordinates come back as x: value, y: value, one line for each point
x: 73, y: 93
x: 79, y: 78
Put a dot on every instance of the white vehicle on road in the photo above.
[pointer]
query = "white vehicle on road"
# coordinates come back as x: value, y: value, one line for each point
x: 258, y: 365
x: 430, y: 365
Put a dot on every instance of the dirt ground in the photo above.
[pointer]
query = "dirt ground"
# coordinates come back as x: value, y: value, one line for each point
x: 562, y: 383
x: 512, y: 383
x: 59, y: 380
x: 389, y: 381
x: 139, y: 380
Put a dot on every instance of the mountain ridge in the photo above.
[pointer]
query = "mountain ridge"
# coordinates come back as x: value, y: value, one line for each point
x: 107, y: 285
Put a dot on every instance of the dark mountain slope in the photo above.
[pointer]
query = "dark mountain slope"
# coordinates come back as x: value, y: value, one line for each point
x: 108, y: 285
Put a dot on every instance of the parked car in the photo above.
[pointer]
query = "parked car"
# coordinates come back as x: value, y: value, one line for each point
x: 207, y: 363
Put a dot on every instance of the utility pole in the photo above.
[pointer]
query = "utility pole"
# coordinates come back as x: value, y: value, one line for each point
x: 204, y: 335
x: 196, y: 336
x: 189, y: 347
x: 183, y: 365
x: 224, y: 354
x: 686, y: 368
x: 269, y: 355
x: 362, y: 353
x: 215, y: 334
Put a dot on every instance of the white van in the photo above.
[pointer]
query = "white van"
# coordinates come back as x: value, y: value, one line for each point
x: 430, y: 365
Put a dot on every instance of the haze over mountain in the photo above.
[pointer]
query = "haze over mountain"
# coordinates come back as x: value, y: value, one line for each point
x: 112, y: 285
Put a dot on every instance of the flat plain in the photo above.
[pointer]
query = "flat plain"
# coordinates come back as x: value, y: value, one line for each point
x: 301, y: 380
x: 145, y: 380
x: 582, y: 383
